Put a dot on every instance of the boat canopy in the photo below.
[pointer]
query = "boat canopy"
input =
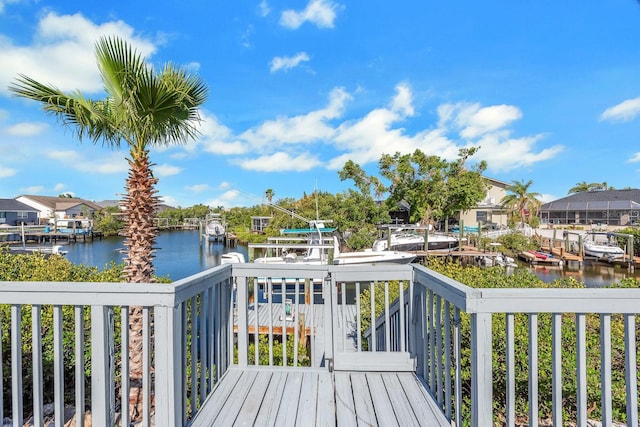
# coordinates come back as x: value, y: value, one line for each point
x: 306, y: 230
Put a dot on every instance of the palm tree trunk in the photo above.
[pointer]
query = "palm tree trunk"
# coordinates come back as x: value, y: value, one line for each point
x: 140, y: 235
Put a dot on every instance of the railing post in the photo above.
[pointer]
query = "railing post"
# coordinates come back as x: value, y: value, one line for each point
x: 481, y: 372
x: 242, y: 302
x: 102, y: 405
x: 168, y: 366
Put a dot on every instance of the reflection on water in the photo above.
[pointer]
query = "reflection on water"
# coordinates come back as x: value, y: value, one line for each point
x: 179, y: 253
x: 592, y: 274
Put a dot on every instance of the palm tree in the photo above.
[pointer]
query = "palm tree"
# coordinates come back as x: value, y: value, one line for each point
x: 143, y: 108
x: 268, y: 194
x: 521, y: 200
x: 579, y: 187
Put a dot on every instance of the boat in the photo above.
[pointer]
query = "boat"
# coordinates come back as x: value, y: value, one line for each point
x: 215, y: 228
x: 404, y: 240
x: 232, y: 258
x: 47, y: 250
x: 315, y: 249
x: 370, y: 256
x: 603, y: 250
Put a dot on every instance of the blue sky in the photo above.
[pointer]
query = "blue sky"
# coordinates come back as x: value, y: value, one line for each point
x: 550, y: 91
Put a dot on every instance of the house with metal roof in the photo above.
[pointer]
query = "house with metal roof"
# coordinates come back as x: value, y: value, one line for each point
x: 605, y: 207
x: 13, y: 213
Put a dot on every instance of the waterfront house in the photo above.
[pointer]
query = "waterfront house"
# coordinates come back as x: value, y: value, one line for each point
x: 489, y: 210
x: 605, y: 207
x: 50, y: 208
x: 14, y: 213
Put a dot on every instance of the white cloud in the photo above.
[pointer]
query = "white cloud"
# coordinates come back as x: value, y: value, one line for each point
x: 263, y: 8
x: 27, y: 129
x: 226, y: 199
x: 402, y: 103
x: 288, y: 62
x: 219, y: 139
x: 34, y: 189
x: 111, y: 164
x: 166, y: 170
x: 321, y: 13
x: 5, y: 2
x: 62, y: 53
x: 303, y: 129
x: 473, y: 120
x: 623, y: 112
x: 224, y: 185
x: 280, y: 162
x: 379, y: 131
x: 6, y: 172
x: 635, y: 158
x: 198, y: 188
x: 59, y: 187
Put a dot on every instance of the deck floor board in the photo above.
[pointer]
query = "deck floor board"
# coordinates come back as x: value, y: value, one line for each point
x: 258, y: 396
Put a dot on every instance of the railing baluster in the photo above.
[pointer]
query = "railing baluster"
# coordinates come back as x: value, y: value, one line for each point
x: 194, y: 355
x: 211, y: 338
x: 1, y: 373
x: 102, y: 405
x: 58, y: 368
x: 283, y: 289
x: 387, y: 322
x: 605, y: 369
x: 16, y: 365
x: 511, y: 370
x: 447, y: 360
x: 270, y: 304
x: 533, y: 370
x: 432, y: 345
x: 184, y: 359
x: 79, y: 368
x: 202, y: 333
x: 374, y: 329
x: 439, y: 379
x: 124, y: 364
x: 458, y: 375
x: 481, y: 369
x: 358, y: 321
x: 581, y: 369
x: 402, y: 330
x: 631, y: 368
x: 243, y: 329
x: 36, y: 363
x: 556, y: 369
x: 146, y: 368
x: 256, y: 323
x: 296, y: 320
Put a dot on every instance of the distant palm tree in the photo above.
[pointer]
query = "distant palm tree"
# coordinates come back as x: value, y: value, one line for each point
x: 579, y: 188
x: 269, y: 193
x: 143, y: 108
x: 521, y: 200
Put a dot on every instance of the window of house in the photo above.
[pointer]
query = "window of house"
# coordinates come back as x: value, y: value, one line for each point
x: 23, y: 215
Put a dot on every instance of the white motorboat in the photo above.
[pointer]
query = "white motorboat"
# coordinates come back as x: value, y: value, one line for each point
x: 403, y: 240
x: 603, y: 250
x: 47, y: 250
x: 370, y: 256
x: 316, y: 250
x: 215, y: 228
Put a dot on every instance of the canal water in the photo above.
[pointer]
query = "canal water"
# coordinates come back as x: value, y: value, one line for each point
x: 180, y: 254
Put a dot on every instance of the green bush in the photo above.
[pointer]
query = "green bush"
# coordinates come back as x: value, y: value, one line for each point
x: 54, y: 268
x: 496, y: 278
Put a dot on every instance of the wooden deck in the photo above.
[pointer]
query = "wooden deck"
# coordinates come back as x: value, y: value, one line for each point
x: 288, y: 397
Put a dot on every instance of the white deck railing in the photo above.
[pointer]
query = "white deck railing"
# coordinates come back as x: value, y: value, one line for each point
x: 196, y: 328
